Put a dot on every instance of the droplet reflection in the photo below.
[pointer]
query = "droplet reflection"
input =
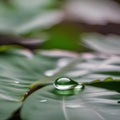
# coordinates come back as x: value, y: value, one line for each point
x: 66, y: 86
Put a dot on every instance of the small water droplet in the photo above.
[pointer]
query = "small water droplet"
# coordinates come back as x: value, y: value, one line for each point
x: 67, y: 86
x: 74, y: 106
x: 17, y: 82
x: 42, y: 101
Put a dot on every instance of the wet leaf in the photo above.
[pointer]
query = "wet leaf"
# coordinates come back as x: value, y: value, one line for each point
x: 91, y: 104
x: 23, y: 71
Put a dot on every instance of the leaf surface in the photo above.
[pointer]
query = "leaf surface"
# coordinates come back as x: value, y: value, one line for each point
x: 91, y: 104
x: 22, y: 71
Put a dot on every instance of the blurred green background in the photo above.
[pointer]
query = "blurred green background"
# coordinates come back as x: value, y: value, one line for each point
x: 56, y: 24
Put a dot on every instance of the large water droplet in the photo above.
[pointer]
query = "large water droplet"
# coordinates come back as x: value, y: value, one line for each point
x: 64, y: 83
x: 66, y: 86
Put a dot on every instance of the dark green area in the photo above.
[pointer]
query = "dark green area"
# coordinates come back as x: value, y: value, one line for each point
x: 114, y: 85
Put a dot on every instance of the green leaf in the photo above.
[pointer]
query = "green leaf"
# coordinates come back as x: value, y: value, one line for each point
x: 18, y: 70
x: 91, y: 104
x: 111, y: 85
x: 18, y: 17
x: 7, y: 108
x: 23, y: 71
x: 109, y: 44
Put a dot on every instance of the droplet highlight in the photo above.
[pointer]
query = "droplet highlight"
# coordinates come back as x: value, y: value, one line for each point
x: 64, y: 83
x: 17, y: 82
x: 43, y: 101
x: 74, y: 106
x: 67, y: 86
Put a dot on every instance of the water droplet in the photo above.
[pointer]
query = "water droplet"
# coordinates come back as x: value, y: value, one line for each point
x: 64, y: 83
x: 17, y: 82
x: 42, y: 101
x: 66, y: 86
x: 74, y: 106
